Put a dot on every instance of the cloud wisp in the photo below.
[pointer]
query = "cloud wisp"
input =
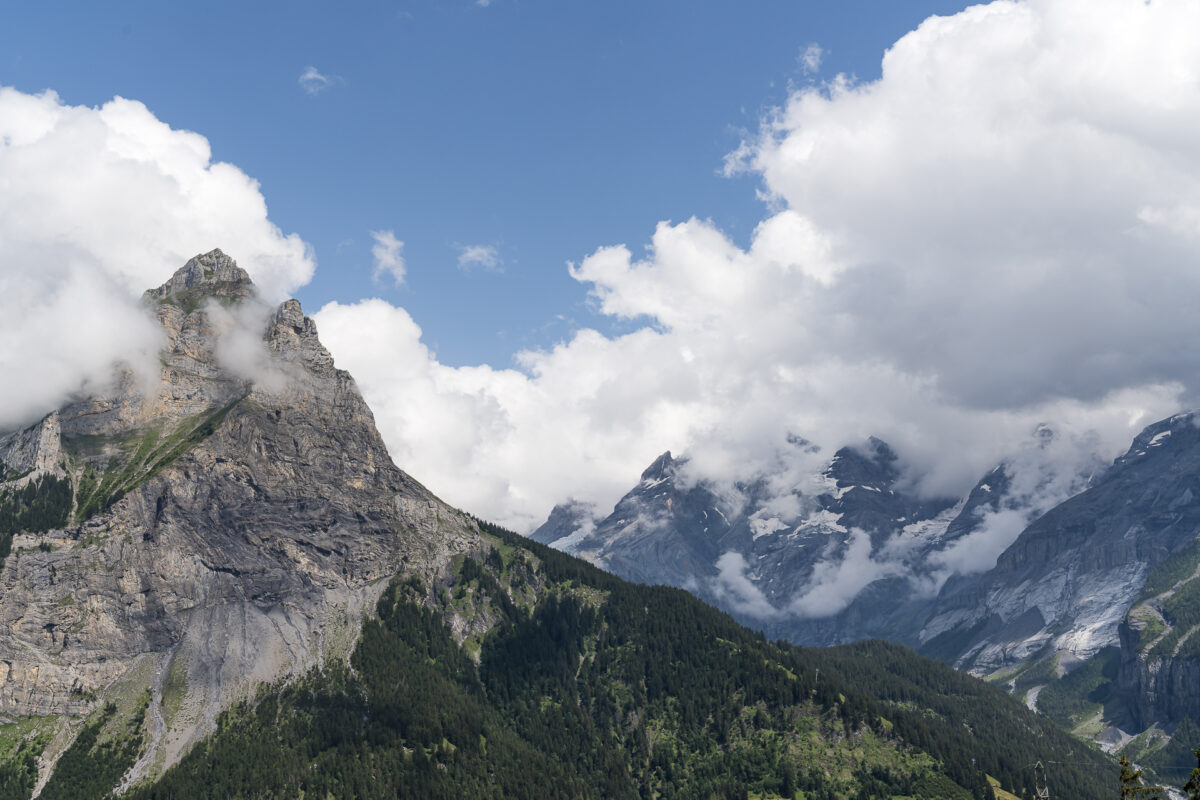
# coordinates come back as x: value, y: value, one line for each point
x: 388, y: 252
x: 483, y: 256
x: 810, y: 59
x: 313, y: 82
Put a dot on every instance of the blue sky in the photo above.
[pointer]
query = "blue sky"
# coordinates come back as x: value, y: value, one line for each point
x: 992, y: 224
x: 541, y: 129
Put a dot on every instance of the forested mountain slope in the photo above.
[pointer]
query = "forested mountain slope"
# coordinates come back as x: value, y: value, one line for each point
x: 1090, y: 614
x: 218, y: 585
x: 588, y: 686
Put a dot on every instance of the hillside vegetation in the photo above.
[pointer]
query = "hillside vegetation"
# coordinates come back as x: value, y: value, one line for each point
x: 587, y: 686
x: 565, y: 681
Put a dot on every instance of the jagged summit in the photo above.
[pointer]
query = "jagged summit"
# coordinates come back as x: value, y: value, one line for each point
x: 872, y: 464
x: 662, y: 467
x: 222, y: 523
x: 565, y: 519
x: 210, y: 274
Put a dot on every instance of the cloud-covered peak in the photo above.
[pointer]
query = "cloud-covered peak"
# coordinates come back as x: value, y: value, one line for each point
x: 98, y: 204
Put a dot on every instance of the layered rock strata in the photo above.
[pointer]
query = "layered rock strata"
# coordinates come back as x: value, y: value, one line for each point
x: 234, y: 518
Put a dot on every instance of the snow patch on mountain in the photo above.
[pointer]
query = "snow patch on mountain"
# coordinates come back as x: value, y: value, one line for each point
x: 823, y: 521
x: 570, y: 542
x: 765, y: 527
x: 922, y: 532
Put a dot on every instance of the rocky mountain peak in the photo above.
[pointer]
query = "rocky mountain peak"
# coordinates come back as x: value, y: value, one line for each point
x: 226, y: 525
x: 293, y: 337
x: 873, y: 464
x: 209, y: 274
x: 663, y: 467
x: 565, y: 519
x: 1154, y: 439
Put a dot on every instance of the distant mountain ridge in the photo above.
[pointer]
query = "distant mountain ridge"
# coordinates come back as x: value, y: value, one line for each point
x: 688, y: 533
x: 1060, y: 593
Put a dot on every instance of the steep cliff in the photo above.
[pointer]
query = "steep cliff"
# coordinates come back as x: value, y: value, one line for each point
x: 1158, y: 678
x: 230, y: 521
x: 1069, y: 579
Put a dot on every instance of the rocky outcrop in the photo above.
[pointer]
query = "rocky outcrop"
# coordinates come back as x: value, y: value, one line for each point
x: 1156, y: 689
x: 236, y: 516
x: 211, y: 274
x: 28, y: 454
x: 1080, y: 567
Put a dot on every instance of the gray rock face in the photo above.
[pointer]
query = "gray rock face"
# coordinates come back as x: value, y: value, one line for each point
x: 231, y: 529
x: 212, y: 274
x: 673, y: 531
x: 1066, y: 581
x: 658, y: 533
x: 1157, y: 689
x: 28, y: 454
x: 1073, y: 574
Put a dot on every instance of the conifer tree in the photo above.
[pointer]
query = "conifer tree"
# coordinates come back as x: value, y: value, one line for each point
x: 1192, y: 787
x: 1131, y: 784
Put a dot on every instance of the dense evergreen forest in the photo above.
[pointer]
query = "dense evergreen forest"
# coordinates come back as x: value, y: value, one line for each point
x: 588, y: 686
x: 40, y: 505
x: 989, y: 731
x: 99, y: 756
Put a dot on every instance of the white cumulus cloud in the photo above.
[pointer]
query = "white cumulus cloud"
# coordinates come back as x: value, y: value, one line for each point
x: 998, y: 232
x: 98, y: 205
